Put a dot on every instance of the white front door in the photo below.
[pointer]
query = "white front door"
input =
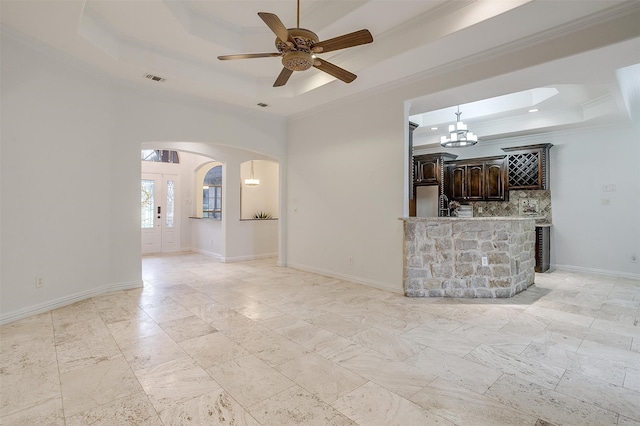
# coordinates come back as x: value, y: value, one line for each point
x: 160, y: 213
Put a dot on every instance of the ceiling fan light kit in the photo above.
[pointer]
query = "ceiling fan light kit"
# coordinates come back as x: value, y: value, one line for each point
x: 297, y: 61
x: 298, y: 48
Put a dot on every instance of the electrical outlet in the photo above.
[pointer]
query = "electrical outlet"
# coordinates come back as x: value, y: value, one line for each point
x: 485, y: 261
x: 606, y: 202
x: 39, y: 282
x: 350, y: 260
x: 479, y: 209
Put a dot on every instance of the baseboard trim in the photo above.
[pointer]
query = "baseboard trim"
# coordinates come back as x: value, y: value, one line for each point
x: 66, y: 300
x: 249, y: 257
x: 208, y: 253
x: 223, y: 259
x: 603, y: 272
x: 369, y: 283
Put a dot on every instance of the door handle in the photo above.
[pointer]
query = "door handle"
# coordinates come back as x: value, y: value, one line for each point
x: 158, y: 212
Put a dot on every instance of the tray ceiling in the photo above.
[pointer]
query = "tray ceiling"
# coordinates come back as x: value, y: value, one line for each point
x: 413, y: 41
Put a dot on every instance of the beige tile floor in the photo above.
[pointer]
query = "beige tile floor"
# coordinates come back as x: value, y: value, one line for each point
x: 255, y: 344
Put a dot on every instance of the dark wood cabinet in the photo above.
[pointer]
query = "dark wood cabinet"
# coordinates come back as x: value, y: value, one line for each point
x: 495, y: 180
x: 427, y: 172
x: 427, y: 168
x: 475, y: 182
x: 543, y: 248
x: 455, y: 180
x: 529, y: 166
x: 480, y: 179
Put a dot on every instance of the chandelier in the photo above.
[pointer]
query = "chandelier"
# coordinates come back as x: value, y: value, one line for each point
x: 459, y: 135
x: 252, y: 181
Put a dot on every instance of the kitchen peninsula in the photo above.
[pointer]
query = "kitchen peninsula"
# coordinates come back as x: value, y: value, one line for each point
x: 468, y: 257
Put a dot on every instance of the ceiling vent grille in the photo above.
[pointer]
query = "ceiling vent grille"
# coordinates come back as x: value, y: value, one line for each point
x: 155, y: 78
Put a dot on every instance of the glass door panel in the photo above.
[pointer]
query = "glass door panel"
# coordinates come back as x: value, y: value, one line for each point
x: 169, y: 216
x: 147, y: 202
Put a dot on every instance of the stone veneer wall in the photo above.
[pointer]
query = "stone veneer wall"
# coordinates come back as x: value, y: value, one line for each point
x: 443, y: 256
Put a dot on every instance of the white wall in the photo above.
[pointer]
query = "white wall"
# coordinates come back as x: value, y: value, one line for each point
x: 253, y: 239
x: 345, y: 193
x: 587, y: 235
x: 62, y: 193
x: 71, y: 143
x: 208, y: 237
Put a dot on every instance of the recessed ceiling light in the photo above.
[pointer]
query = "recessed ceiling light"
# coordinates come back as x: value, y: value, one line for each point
x: 534, y: 110
x: 434, y: 128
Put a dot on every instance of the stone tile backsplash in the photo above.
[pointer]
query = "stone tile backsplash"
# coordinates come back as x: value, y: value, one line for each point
x: 540, y: 199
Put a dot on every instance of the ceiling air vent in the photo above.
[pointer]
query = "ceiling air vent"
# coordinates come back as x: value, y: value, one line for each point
x: 154, y: 78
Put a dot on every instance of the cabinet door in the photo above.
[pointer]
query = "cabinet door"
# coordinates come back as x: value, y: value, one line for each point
x: 456, y: 182
x: 474, y: 186
x: 426, y: 172
x: 495, y: 180
x: 429, y: 172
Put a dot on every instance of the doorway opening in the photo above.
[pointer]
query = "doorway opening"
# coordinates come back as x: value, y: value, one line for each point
x: 197, y: 200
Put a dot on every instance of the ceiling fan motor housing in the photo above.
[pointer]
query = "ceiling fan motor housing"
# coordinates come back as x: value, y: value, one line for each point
x: 297, y: 57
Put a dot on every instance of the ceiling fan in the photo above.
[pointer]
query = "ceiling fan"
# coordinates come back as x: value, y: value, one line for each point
x: 299, y: 47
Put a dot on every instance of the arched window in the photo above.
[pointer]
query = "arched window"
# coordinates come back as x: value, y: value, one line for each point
x: 212, y: 193
x: 160, y: 156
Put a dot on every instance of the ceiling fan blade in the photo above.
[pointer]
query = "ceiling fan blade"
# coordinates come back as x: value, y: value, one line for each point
x: 276, y: 25
x: 283, y: 77
x: 334, y: 70
x: 355, y: 38
x: 249, y: 56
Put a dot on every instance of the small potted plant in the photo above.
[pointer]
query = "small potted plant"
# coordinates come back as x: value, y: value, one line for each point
x: 262, y: 215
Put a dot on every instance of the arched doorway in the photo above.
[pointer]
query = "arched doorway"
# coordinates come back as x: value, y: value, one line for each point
x: 226, y: 233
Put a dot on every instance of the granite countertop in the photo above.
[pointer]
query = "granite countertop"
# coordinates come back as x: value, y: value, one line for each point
x: 491, y: 218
